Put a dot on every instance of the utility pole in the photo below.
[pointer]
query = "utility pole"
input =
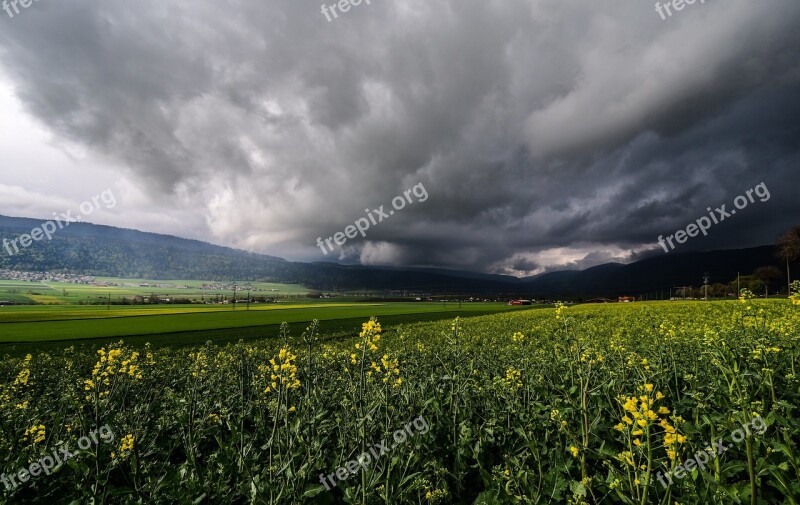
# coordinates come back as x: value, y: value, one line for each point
x: 109, y: 300
x: 705, y: 284
x: 234, y: 296
x: 248, y: 300
x: 738, y: 289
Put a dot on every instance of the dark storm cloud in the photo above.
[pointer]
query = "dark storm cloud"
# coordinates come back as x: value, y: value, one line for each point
x: 546, y: 132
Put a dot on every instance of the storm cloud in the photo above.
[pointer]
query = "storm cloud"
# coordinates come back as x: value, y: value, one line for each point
x: 548, y: 133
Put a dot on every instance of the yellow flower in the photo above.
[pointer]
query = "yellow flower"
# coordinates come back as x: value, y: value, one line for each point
x: 284, y: 371
x: 37, y: 432
x: 25, y: 372
x: 574, y: 450
x: 648, y: 387
x: 627, y: 457
x: 512, y: 378
x: 125, y: 448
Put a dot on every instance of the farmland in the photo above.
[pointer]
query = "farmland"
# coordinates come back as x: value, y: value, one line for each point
x: 165, y: 324
x: 586, y: 404
x: 119, y: 290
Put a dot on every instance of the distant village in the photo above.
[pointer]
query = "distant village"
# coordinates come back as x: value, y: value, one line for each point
x: 90, y: 280
x: 15, y: 275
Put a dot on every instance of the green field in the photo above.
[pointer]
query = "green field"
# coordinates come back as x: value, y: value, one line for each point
x: 49, y: 293
x: 31, y: 324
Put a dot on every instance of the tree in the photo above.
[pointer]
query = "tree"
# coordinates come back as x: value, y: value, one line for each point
x: 750, y: 282
x: 789, y: 250
x: 766, y: 275
x: 718, y: 290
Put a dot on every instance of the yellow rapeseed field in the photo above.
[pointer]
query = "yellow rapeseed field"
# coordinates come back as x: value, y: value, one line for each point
x: 614, y: 403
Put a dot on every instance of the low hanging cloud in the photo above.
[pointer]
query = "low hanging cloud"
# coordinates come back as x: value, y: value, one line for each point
x: 548, y: 134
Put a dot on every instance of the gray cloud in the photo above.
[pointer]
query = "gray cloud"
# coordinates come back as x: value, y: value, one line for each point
x: 547, y: 133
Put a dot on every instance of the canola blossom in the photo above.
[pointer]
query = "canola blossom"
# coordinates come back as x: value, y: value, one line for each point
x: 568, y: 404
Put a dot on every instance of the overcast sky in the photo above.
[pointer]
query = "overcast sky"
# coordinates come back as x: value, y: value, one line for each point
x: 548, y: 134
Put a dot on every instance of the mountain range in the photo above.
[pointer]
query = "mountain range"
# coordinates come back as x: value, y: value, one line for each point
x: 89, y: 249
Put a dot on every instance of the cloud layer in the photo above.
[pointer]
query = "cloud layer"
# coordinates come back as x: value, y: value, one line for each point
x: 547, y: 133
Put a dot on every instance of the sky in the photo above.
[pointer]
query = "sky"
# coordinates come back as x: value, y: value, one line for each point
x: 547, y: 134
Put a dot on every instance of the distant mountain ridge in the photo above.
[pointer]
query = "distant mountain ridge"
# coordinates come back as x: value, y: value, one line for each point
x: 88, y: 249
